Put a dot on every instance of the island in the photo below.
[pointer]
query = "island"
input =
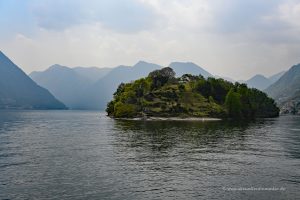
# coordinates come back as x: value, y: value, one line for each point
x: 162, y: 95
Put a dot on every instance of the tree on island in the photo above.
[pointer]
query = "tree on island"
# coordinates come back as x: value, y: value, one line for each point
x: 233, y: 104
x: 162, y: 94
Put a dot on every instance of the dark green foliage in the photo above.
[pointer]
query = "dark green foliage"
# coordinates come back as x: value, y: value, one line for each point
x: 181, y: 87
x: 161, y: 94
x: 233, y: 104
x: 110, y: 108
x: 217, y: 88
x: 120, y: 89
x: 161, y: 77
x: 124, y: 110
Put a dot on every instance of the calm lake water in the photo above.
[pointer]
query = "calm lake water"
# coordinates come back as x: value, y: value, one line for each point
x: 85, y: 155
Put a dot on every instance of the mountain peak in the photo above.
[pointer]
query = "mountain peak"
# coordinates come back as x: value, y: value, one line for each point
x: 141, y: 62
x: 182, y: 63
x: 58, y: 67
x: 259, y: 81
x: 258, y: 76
x: 145, y: 64
x: 188, y: 68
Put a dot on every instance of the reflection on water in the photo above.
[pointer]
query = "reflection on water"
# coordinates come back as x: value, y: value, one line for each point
x: 85, y: 155
x: 164, y: 135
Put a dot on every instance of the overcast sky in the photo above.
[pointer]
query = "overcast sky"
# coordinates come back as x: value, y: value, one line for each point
x: 234, y: 38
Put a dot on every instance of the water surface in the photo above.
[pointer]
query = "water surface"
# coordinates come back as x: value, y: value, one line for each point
x: 85, y: 155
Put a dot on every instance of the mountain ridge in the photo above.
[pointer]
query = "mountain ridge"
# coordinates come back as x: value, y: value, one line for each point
x: 262, y: 82
x: 181, y: 68
x: 19, y: 91
x: 286, y: 85
x: 286, y: 91
x: 258, y: 81
x: 99, y: 91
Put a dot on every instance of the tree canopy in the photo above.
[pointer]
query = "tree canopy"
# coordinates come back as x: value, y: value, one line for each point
x: 161, y: 94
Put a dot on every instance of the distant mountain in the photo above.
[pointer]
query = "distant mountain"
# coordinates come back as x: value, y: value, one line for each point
x: 18, y: 91
x: 181, y: 68
x: 276, y: 77
x: 259, y: 82
x: 287, y: 85
x: 102, y: 91
x: 143, y: 68
x: 286, y: 91
x: 64, y: 83
x: 92, y: 73
x: 92, y: 88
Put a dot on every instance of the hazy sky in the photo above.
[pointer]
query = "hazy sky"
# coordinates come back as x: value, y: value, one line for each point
x: 235, y: 38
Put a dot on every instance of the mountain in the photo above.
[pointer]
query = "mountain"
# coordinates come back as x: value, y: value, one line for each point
x: 259, y: 82
x: 286, y: 91
x: 92, y: 73
x: 18, y: 91
x: 102, y: 91
x: 64, y: 83
x: 181, y: 68
x: 276, y: 77
x: 92, y: 88
x: 287, y: 85
x: 88, y: 88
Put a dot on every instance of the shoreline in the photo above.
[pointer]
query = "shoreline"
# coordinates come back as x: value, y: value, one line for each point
x: 170, y: 119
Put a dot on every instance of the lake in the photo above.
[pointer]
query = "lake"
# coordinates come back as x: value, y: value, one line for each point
x: 86, y: 155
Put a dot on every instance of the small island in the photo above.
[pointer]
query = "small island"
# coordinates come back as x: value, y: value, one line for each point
x: 161, y: 95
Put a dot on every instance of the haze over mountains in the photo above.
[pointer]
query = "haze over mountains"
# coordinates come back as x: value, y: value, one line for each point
x: 286, y: 91
x: 92, y: 73
x: 18, y: 91
x: 189, y: 68
x: 79, y: 91
x: 92, y: 88
x: 261, y: 82
x: 69, y: 85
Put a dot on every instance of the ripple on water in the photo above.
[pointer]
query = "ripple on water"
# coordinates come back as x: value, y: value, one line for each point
x: 85, y: 155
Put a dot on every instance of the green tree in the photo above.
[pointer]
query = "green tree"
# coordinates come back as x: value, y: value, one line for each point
x: 162, y: 94
x: 233, y: 104
x: 124, y: 110
x: 161, y: 77
x: 110, y: 108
